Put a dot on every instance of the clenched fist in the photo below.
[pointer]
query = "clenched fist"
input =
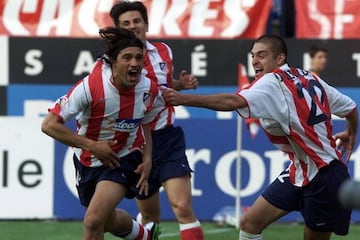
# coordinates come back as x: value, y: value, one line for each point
x: 172, y: 97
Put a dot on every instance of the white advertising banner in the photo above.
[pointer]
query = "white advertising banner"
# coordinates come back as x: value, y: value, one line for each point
x: 26, y: 169
x: 4, y: 56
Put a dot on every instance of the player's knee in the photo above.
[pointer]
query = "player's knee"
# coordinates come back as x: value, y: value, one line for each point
x: 249, y: 226
x: 243, y: 223
x: 149, y: 217
x: 93, y: 223
x: 183, y: 211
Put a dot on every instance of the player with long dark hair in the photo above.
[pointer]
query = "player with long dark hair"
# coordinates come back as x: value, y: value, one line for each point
x: 113, y: 106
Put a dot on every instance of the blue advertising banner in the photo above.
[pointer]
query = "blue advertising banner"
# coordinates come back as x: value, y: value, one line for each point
x: 212, y: 153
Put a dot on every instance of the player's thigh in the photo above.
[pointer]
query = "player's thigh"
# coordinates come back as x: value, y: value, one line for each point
x: 279, y: 198
x: 310, y: 234
x: 178, y: 190
x: 260, y: 215
x: 150, y: 207
x: 106, y: 197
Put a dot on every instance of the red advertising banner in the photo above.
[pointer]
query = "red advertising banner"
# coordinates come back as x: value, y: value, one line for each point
x: 168, y: 19
x: 330, y: 19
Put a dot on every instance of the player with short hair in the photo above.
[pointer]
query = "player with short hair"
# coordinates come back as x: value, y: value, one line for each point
x: 170, y: 165
x: 113, y: 105
x: 294, y: 107
x: 318, y: 59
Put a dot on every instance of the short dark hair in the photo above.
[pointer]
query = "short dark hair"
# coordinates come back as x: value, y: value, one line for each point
x: 278, y: 45
x: 125, y: 6
x: 117, y: 39
x: 315, y: 49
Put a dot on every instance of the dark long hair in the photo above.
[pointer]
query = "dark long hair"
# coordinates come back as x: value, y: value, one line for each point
x: 117, y: 39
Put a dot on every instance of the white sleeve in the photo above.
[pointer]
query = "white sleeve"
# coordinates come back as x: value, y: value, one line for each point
x: 75, y: 101
x: 340, y: 104
x: 265, y: 99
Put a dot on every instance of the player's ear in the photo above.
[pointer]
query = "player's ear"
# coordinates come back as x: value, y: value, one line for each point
x: 281, y: 59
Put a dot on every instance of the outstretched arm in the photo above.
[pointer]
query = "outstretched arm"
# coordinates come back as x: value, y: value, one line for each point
x: 219, y: 102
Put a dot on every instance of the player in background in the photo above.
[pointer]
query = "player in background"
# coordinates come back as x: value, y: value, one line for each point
x: 170, y: 165
x: 113, y: 105
x: 318, y: 59
x: 294, y: 107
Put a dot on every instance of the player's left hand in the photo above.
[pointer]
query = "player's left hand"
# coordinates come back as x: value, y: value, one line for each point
x: 144, y: 170
x: 188, y: 81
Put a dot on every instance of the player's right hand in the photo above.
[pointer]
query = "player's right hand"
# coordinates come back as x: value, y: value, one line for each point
x: 171, y: 96
x: 102, y: 150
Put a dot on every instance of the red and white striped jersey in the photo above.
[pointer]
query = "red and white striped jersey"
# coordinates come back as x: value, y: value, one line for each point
x: 159, y: 68
x: 295, y: 108
x: 104, y: 112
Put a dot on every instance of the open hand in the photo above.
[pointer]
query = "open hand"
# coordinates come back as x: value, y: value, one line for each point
x: 144, y: 170
x: 188, y: 81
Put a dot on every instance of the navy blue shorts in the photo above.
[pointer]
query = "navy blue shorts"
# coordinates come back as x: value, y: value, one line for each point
x: 88, y: 177
x: 317, y: 201
x: 168, y: 158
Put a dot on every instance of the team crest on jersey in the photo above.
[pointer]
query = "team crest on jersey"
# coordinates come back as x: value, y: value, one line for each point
x: 62, y: 101
x: 163, y: 66
x: 146, y: 99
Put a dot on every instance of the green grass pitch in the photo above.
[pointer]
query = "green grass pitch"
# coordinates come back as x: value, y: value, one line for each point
x: 72, y: 230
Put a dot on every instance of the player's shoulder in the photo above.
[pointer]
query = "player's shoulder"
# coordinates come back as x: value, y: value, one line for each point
x: 157, y: 45
x: 267, y: 78
x: 146, y: 84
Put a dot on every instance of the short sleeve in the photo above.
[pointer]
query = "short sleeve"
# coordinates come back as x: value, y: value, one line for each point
x: 340, y: 104
x: 74, y: 102
x: 265, y: 99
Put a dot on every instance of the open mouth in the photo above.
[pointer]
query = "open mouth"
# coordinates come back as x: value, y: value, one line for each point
x: 258, y: 71
x: 133, y: 74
